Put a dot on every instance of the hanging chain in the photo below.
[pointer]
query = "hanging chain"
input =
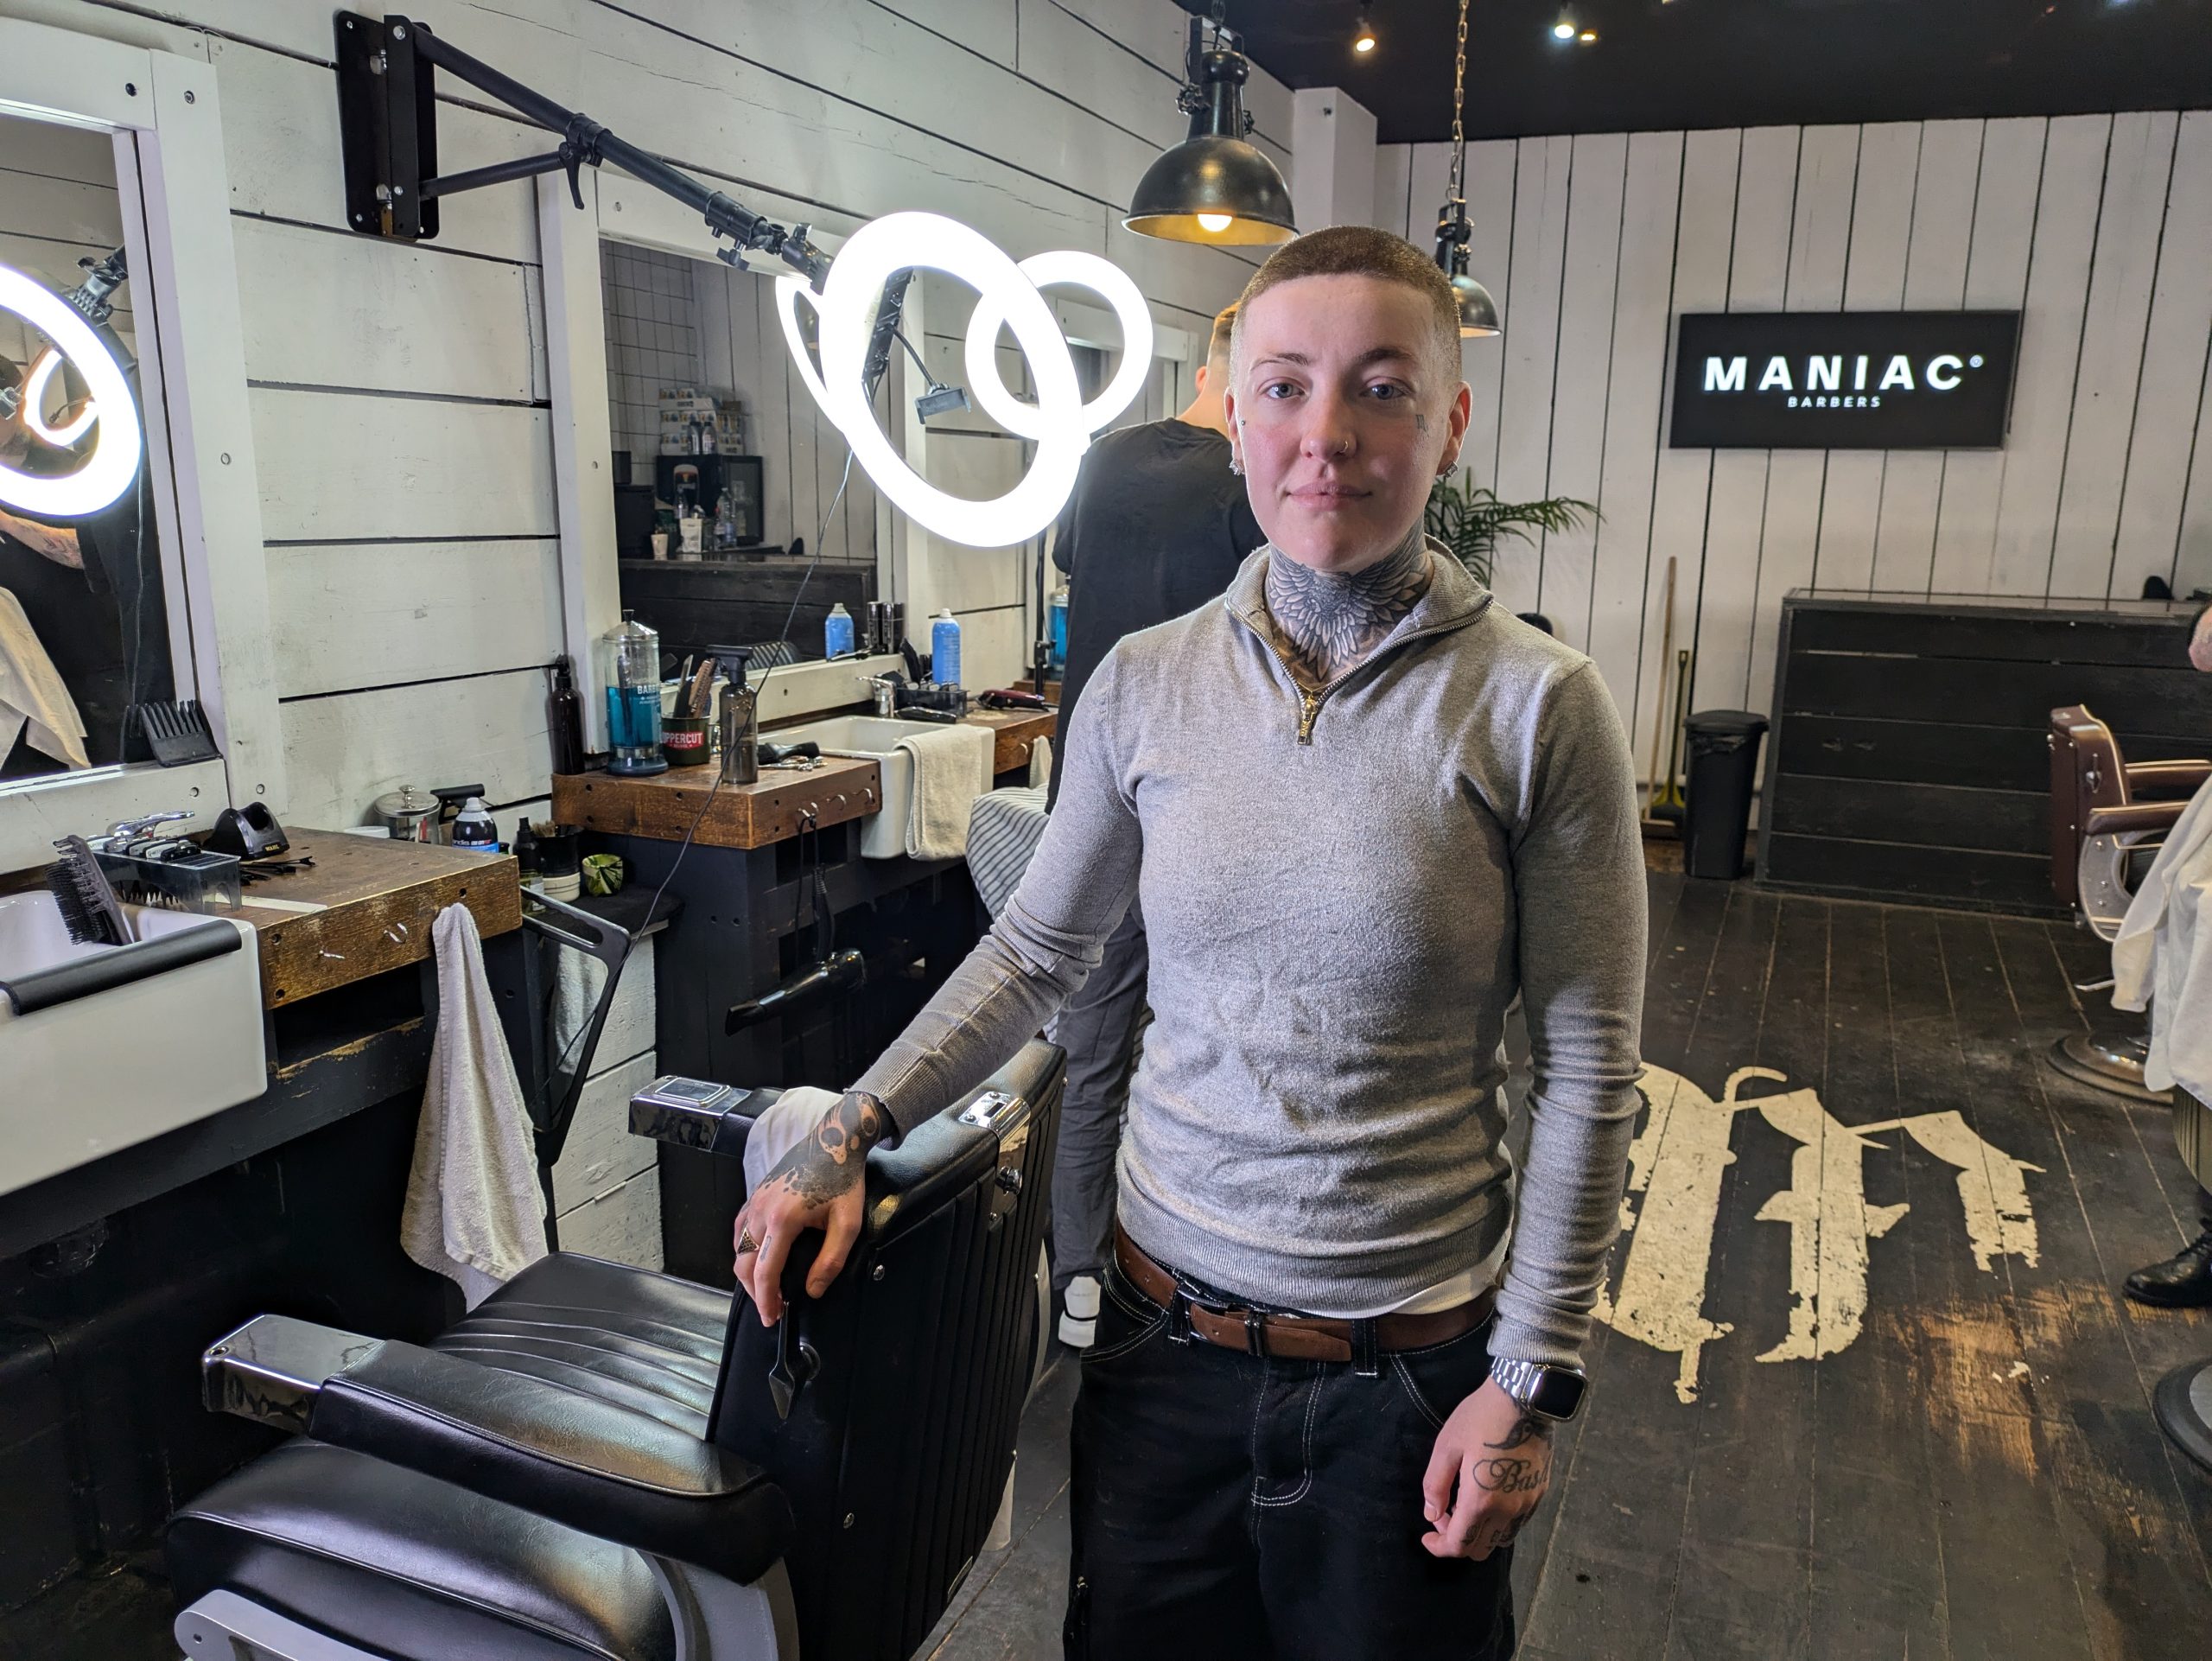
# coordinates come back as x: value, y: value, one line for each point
x: 1458, y: 108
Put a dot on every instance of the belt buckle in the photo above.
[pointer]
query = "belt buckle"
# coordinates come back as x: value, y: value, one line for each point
x: 1188, y: 1296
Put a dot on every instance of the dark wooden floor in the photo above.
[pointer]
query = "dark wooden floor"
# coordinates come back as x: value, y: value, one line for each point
x: 1977, y: 1473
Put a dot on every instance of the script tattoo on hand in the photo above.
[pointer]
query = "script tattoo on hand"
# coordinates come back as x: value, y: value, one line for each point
x: 1517, y: 1474
x: 834, y: 1158
x: 1325, y: 624
x: 1511, y: 1475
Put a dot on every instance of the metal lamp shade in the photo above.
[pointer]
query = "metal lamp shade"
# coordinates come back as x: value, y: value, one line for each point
x: 1215, y: 175
x: 1478, y: 311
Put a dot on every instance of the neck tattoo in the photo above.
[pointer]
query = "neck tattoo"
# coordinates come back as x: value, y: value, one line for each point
x: 1325, y: 624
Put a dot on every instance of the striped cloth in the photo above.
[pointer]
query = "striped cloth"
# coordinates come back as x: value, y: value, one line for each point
x: 1002, y: 833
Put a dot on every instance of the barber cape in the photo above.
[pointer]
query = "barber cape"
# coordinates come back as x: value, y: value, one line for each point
x: 32, y: 693
x: 2162, y: 957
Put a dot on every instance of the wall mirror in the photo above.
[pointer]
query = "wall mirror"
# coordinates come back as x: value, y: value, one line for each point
x: 727, y: 476
x: 86, y: 624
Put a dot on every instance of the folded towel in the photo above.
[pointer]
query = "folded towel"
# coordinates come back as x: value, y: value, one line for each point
x: 952, y: 767
x: 1040, y: 764
x: 33, y: 694
x: 474, y: 1212
x: 789, y: 1120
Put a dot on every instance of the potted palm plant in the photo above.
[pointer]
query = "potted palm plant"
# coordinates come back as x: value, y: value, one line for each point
x: 1471, y: 520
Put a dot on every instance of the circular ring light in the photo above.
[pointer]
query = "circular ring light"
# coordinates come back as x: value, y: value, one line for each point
x: 114, y: 461
x: 1071, y: 268
x: 1059, y: 422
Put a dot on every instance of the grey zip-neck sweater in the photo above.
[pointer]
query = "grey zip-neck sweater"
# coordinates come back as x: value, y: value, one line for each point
x: 1343, y: 891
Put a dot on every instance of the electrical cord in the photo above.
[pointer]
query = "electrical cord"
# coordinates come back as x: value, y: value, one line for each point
x: 821, y: 537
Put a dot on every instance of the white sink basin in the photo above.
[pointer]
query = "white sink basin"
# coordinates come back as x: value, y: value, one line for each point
x: 144, y: 1039
x: 872, y: 738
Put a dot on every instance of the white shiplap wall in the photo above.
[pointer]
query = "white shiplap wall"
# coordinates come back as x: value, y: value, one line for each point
x: 402, y: 417
x: 400, y: 395
x: 2098, y: 227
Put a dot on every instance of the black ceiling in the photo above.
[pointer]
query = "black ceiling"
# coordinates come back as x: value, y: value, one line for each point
x: 1660, y: 64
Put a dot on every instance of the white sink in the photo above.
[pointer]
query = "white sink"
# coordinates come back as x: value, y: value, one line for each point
x: 123, y: 1055
x: 872, y: 738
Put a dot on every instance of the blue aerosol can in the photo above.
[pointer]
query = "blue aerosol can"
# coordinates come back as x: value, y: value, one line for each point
x: 945, y: 649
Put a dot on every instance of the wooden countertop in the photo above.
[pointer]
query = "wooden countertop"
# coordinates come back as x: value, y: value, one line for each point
x: 377, y: 900
x: 663, y: 804
x: 1018, y: 732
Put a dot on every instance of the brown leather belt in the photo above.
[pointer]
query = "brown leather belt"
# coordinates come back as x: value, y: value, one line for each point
x: 1297, y: 1338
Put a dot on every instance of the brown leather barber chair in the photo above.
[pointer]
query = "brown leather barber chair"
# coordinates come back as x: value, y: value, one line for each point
x: 2108, y: 819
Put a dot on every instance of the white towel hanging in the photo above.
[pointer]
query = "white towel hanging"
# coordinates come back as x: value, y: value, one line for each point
x: 473, y: 1212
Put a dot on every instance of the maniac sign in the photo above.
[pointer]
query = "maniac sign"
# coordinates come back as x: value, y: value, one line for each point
x: 1868, y: 380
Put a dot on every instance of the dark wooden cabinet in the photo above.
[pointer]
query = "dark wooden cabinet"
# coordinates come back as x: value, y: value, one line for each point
x: 1908, y: 760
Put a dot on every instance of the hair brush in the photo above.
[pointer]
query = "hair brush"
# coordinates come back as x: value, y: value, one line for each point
x: 86, y: 898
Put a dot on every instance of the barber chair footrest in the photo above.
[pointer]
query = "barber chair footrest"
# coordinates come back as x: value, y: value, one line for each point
x: 224, y: 1627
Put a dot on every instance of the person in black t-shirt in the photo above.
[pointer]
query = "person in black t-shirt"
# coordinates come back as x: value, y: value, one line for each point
x: 1156, y: 527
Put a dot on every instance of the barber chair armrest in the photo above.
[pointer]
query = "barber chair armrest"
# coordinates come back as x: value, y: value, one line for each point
x: 572, y: 1458
x: 2136, y: 817
x: 674, y: 1109
x: 2166, y: 780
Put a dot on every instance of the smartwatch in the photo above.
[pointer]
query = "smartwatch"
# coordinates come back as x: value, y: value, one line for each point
x: 1553, y: 1393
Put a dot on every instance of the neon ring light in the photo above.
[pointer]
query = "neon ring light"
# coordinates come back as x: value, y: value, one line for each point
x: 114, y: 461
x: 1060, y: 423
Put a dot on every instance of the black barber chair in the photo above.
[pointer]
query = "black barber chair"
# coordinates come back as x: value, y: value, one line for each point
x: 2108, y: 820
x: 603, y: 1462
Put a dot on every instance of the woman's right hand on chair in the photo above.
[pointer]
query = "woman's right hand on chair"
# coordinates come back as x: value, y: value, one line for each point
x: 819, y: 1184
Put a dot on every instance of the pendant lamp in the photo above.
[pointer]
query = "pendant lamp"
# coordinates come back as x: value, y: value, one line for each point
x: 1215, y: 186
x: 1478, y: 311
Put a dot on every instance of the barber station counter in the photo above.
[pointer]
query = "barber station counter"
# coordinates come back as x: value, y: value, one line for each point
x: 772, y: 885
x: 359, y: 918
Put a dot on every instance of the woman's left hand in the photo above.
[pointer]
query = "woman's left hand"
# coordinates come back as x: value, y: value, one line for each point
x: 1491, y: 1464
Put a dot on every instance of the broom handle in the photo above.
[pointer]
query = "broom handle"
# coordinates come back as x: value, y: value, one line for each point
x: 1682, y: 712
x: 1659, y: 711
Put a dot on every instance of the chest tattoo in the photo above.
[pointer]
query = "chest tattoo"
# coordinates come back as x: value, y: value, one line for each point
x: 1325, y: 624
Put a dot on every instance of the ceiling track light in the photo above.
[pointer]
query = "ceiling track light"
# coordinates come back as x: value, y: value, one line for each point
x: 1363, y: 40
x: 1566, y: 28
x: 1478, y: 311
x: 1215, y: 186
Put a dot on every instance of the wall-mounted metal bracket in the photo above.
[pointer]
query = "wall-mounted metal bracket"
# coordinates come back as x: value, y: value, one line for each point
x: 388, y: 127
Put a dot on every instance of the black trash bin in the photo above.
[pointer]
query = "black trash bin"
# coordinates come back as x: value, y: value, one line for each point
x: 1724, y: 767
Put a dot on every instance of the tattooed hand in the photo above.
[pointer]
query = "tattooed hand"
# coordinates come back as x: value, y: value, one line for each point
x: 1499, y: 1460
x: 817, y: 1185
x: 1324, y: 623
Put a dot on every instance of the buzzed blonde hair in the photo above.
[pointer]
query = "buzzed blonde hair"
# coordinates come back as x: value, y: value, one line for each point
x: 1361, y: 250
x: 1224, y: 328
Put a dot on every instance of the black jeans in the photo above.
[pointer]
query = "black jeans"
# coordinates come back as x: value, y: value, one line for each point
x: 1237, y: 1505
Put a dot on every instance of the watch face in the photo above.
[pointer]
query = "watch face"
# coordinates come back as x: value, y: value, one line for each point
x: 1558, y: 1393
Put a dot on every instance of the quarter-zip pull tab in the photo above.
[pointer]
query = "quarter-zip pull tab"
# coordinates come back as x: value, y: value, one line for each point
x: 1310, y: 708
